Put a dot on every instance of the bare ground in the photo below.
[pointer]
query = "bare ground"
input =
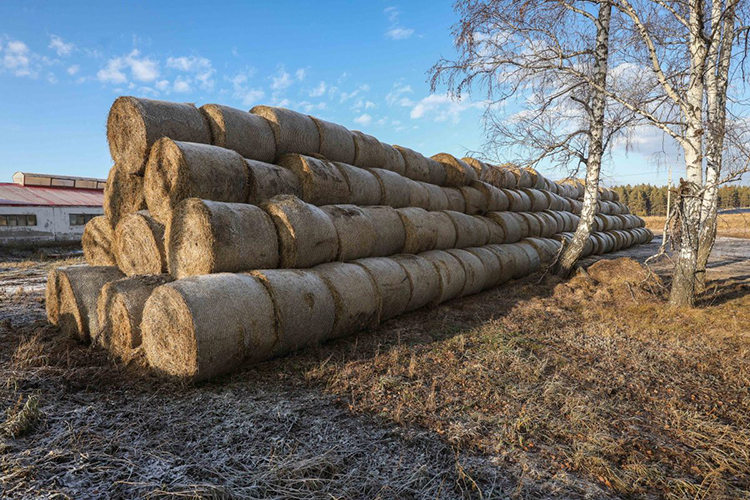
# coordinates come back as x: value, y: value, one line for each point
x: 79, y: 425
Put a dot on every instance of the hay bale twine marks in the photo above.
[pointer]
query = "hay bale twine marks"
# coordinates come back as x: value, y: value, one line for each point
x: 212, y: 237
x: 135, y: 124
x: 523, y: 178
x: 355, y: 295
x: 119, y: 311
x: 560, y: 220
x: 416, y: 166
x: 140, y: 246
x: 471, y: 231
x: 123, y: 195
x: 420, y: 230
x: 419, y: 196
x: 547, y: 223
x: 496, y: 233
x: 336, y: 141
x: 538, y: 180
x: 364, y: 187
x: 423, y: 278
x: 483, y: 170
x: 535, y: 260
x: 267, y: 180
x: 293, y: 132
x: 473, y: 267
x: 393, y: 187
x: 305, y: 311
x: 369, y: 151
x: 451, y: 273
x: 507, y: 262
x: 354, y: 229
x: 493, y: 272
x: 392, y: 282
x: 181, y: 170
x: 533, y: 223
x: 518, y: 201
x: 201, y: 327
x: 78, y: 288
x: 475, y: 202
x: 390, y: 234
x: 497, y: 201
x: 307, y: 236
x: 446, y: 230
x: 394, y: 160
x: 247, y: 133
x: 456, y: 201
x: 539, y: 201
x: 521, y: 259
x: 457, y: 172
x: 322, y: 182
x: 97, y: 242
x: 546, y: 248
x: 514, y: 226
x: 553, y: 201
x: 437, y: 199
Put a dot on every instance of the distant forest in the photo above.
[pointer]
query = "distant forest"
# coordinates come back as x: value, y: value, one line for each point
x: 645, y: 199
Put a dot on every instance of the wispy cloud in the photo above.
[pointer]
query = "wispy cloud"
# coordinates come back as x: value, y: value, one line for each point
x: 364, y: 119
x: 399, y: 33
x: 443, y: 108
x: 281, y: 80
x: 319, y: 90
x: 58, y: 45
x: 74, y: 69
x: 243, y: 92
x: 397, y: 95
x: 201, y: 67
x: 142, y: 69
x: 396, y: 31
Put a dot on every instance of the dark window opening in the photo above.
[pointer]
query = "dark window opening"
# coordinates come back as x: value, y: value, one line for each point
x: 18, y: 220
x: 80, y: 219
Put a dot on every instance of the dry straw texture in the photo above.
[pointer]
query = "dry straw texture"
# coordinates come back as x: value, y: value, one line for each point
x: 97, y: 242
x: 394, y: 160
x: 354, y: 229
x: 451, y: 273
x: 203, y: 326
x: 437, y: 199
x: 446, y: 230
x: 322, y: 182
x: 355, y: 296
x: 496, y: 233
x: 474, y: 269
x: 292, y: 131
x: 364, y: 187
x: 266, y: 181
x: 390, y: 234
x: 248, y: 134
x: 181, y: 170
x: 533, y: 223
x: 211, y: 237
x: 139, y: 242
x: 471, y: 231
x: 307, y: 236
x: 475, y: 202
x: 491, y: 263
x: 518, y: 200
x: 123, y: 195
x: 394, y: 288
x: 458, y: 173
x: 423, y: 279
x: 538, y: 200
x: 523, y: 177
x: 496, y: 199
x: 507, y: 262
x: 456, y: 201
x: 416, y: 166
x: 393, y: 187
x: 419, y: 196
x: 336, y: 141
x: 119, y: 310
x: 481, y: 169
x: 421, y: 229
x: 135, y: 124
x: 514, y: 227
x: 369, y: 151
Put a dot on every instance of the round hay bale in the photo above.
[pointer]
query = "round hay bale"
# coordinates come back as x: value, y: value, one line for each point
x: 451, y: 273
x: 523, y: 177
x: 181, y: 170
x: 475, y: 202
x: 496, y: 199
x: 518, y: 201
x: 267, y: 180
x: 457, y: 172
x: 559, y: 220
x: 394, y: 287
x: 421, y: 230
x: 97, y: 242
x: 394, y: 160
x: 394, y: 188
x: 293, y: 132
x: 509, y: 179
x: 507, y: 262
x: 482, y: 170
x: 416, y: 166
x: 354, y: 229
x: 423, y: 279
x: 336, y: 141
x: 135, y: 124
x: 140, y: 245
x: 307, y: 236
x: 539, y: 201
x: 446, y: 230
x: 456, y: 201
x: 123, y: 195
x: 78, y: 290
x: 535, y: 225
x: 535, y: 260
x: 548, y: 224
x: 437, y: 199
x: 364, y: 187
x: 52, y: 296
x: 514, y: 226
x: 212, y: 237
x: 470, y: 231
x: 304, y: 307
x: 419, y: 196
x: 520, y: 258
x: 390, y: 233
x: 119, y: 312
x: 200, y: 327
x: 247, y: 133
x: 355, y: 295
x: 493, y: 272
x: 476, y: 273
x: 496, y: 233
x: 322, y: 182
x: 537, y: 179
x: 369, y: 152
x: 545, y: 247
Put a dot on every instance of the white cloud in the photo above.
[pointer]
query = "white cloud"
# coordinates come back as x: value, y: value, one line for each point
x: 399, y: 33
x: 319, y: 90
x: 141, y: 68
x: 396, y: 96
x: 284, y: 103
x: 51, y: 78
x: 200, y: 66
x: 300, y: 74
x: 17, y: 59
x: 364, y: 119
x: 392, y: 13
x: 182, y: 85
x: 72, y: 70
x: 162, y: 85
x: 112, y: 72
x: 442, y: 108
x: 282, y: 80
x: 242, y: 91
x: 369, y: 104
x: 63, y: 49
x: 395, y: 30
x: 345, y: 96
x: 307, y: 107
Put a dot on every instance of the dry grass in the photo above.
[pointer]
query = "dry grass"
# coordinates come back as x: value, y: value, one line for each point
x: 731, y: 225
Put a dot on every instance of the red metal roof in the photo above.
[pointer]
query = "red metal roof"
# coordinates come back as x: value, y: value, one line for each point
x: 17, y: 195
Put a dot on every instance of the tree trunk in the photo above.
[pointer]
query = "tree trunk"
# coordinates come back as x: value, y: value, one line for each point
x: 574, y: 249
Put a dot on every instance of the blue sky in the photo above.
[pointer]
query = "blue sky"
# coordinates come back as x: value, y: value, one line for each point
x: 362, y: 64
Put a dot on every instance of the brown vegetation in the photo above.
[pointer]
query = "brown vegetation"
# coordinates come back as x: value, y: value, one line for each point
x: 731, y: 225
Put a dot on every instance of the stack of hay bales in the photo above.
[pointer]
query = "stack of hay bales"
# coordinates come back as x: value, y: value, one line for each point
x: 233, y: 237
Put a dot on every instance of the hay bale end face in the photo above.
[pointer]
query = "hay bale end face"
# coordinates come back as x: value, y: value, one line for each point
x: 393, y: 187
x: 456, y: 201
x: 97, y: 242
x: 392, y: 282
x: 355, y: 230
x: 365, y: 188
x: 336, y: 141
x: 416, y: 166
x: 514, y: 226
x: 135, y: 124
x: 437, y: 199
x: 292, y: 131
x: 423, y: 278
x: 471, y: 231
x: 355, y: 296
x: 475, y: 201
x: 493, y: 272
x: 446, y: 231
x: 123, y: 195
x: 139, y: 245
x: 390, y: 233
x: 457, y: 172
x: 451, y: 273
x: 476, y: 274
x: 322, y: 182
x: 248, y: 134
x: 421, y: 231
x: 211, y: 237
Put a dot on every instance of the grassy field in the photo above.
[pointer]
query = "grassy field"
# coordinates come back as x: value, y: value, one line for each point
x: 731, y: 225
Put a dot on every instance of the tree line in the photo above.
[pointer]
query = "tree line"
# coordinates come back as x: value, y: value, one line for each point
x: 645, y: 199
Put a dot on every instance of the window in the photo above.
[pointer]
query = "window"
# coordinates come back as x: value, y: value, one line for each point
x: 80, y: 219
x: 18, y: 220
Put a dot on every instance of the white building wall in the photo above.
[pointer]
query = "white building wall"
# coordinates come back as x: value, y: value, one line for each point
x: 52, y: 225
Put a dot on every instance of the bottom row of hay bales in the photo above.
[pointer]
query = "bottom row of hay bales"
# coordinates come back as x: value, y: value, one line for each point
x: 204, y: 326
